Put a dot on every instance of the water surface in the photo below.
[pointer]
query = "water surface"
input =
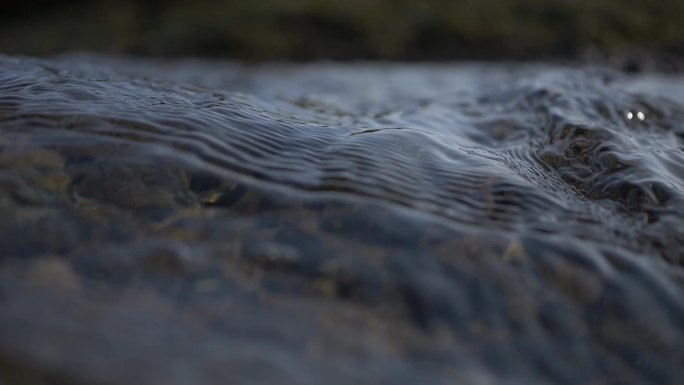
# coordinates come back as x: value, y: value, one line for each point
x: 209, y: 223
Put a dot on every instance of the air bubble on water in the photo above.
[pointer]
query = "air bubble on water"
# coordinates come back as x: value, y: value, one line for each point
x: 639, y: 115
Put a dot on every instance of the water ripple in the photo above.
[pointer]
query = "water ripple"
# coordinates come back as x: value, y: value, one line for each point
x: 420, y: 224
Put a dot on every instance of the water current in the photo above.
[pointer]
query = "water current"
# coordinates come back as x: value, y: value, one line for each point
x: 201, y: 222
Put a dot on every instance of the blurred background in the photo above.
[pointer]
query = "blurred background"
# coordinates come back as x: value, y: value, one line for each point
x: 349, y: 29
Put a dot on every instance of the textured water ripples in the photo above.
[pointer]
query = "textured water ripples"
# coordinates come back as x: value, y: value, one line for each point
x: 415, y: 224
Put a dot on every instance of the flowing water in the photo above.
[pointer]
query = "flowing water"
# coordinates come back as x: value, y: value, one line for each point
x: 197, y: 222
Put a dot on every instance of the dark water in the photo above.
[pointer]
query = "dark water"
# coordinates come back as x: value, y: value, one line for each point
x: 207, y: 223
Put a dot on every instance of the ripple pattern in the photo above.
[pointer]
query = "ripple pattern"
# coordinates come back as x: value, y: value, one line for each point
x: 506, y: 230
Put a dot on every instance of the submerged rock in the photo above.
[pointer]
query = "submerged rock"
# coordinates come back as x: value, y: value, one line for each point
x: 464, y: 224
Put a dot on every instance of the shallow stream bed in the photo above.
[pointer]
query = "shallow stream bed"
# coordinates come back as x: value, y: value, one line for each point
x: 198, y: 222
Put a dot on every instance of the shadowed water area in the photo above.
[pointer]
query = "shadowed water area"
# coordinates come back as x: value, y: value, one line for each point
x: 197, y: 222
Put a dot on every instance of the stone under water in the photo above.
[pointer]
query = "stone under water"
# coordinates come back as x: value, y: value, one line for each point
x: 198, y: 222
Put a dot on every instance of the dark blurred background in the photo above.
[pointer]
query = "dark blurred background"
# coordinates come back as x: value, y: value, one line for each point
x: 348, y: 29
